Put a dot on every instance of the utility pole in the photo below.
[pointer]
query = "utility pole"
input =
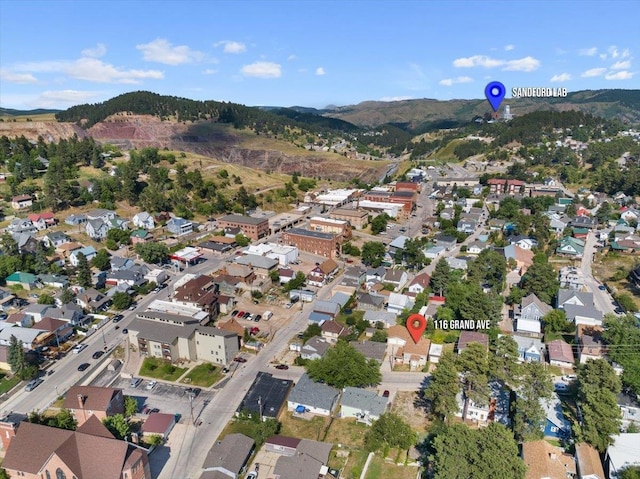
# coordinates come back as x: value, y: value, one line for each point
x: 260, y: 405
x: 191, y: 408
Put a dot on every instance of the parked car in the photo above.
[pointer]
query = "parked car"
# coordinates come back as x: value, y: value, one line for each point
x: 240, y: 314
x: 234, y: 313
x: 246, y: 315
x: 125, y: 331
x: 135, y: 382
x: 78, y: 348
x: 385, y: 394
x: 252, y: 475
x: 83, y: 366
x: 97, y: 354
x: 34, y: 383
x: 225, y: 370
x: 151, y: 385
x: 282, y: 366
x: 257, y: 318
x: 602, y: 287
x: 240, y: 359
x: 155, y: 409
x: 254, y: 331
x: 117, y: 318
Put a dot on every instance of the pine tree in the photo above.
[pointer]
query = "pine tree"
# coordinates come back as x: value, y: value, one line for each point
x: 84, y: 271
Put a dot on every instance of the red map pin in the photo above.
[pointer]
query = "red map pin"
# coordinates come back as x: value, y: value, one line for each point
x: 416, y: 324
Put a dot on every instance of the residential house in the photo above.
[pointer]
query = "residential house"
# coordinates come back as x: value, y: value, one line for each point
x: 234, y: 326
x: 65, y: 454
x: 54, y: 280
x: 623, y: 454
x: 143, y: 221
x: 495, y: 409
x: 97, y: 229
x: 529, y: 349
x: 286, y: 275
x: 591, y: 344
x: 75, y: 220
x: 567, y: 296
x: 71, y: 313
x: 396, y: 277
x: 21, y: 225
x: 476, y: 247
x: 434, y: 252
x: 26, y: 242
x: 354, y: 276
x: 319, y: 275
x: 419, y: 283
x: 468, y: 337
x: 584, y: 222
x: 447, y: 242
x: 496, y: 224
x: 314, y: 348
x: 435, y: 353
x: 560, y: 354
x: 326, y: 307
x: 370, y: 302
x: 55, y: 239
x: 523, y: 242
x: 529, y: 313
x: 140, y: 236
x: 89, y: 253
x: 42, y: 221
x: 21, y: 202
x: 365, y: 406
x: 629, y: 407
x: 385, y: 318
x: 588, y: 462
x: 558, y: 223
x: 570, y: 246
x: 556, y: 424
x: 523, y: 258
x: 101, y: 214
x: 229, y: 456
x: 36, y: 311
x: 101, y: 402
x: 93, y: 300
x: 578, y: 314
x: 544, y: 460
x: 310, y: 396
x: 405, y: 350
x: 179, y: 226
x: 119, y: 263
x: 457, y: 263
x: 571, y: 277
x: 266, y: 397
x: 134, y: 276
x: 28, y: 281
x: 467, y: 226
x: 332, y: 331
x: 300, y: 458
x: 370, y: 349
x: 397, y: 303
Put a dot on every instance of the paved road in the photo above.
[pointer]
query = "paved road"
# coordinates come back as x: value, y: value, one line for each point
x: 602, y: 299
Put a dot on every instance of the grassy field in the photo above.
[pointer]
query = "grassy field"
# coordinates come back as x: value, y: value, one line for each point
x: 348, y: 432
x: 303, y: 428
x: 613, y: 269
x: 379, y: 468
x: 21, y: 118
x: 204, y: 375
x: 8, y: 384
x: 158, y: 369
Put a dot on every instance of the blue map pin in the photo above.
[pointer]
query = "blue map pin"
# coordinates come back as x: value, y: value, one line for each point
x: 495, y: 92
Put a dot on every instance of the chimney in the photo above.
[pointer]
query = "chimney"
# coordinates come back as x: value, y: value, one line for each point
x: 81, y: 400
x: 553, y: 456
x: 8, y: 430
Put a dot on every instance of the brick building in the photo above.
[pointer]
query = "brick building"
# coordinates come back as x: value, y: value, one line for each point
x: 315, y: 242
x: 500, y: 186
x: 253, y: 228
x: 85, y: 401
x: 329, y: 225
x: 358, y: 219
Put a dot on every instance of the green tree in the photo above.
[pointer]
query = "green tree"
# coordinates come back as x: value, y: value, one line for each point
x: 242, y: 240
x: 373, y: 253
x: 555, y: 321
x: 623, y: 337
x: 121, y: 301
x: 65, y: 420
x: 117, y: 425
x: 598, y: 385
x: 489, y: 269
x: 42, y: 263
x: 130, y: 406
x: 311, y: 331
x: 486, y: 453
x: 474, y: 368
x: 4, y: 474
x: 443, y: 387
x: 629, y: 472
x: 154, y: 253
x: 505, y: 365
x: 540, y: 279
x: 101, y: 260
x: 440, y: 277
x: 296, y: 282
x: 626, y: 301
x: 46, y: 299
x: 84, y: 272
x: 343, y: 366
x: 390, y: 431
x: 17, y: 359
x: 66, y: 296
x: 379, y: 223
x: 535, y: 385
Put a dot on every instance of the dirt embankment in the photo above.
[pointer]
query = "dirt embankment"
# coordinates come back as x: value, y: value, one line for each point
x: 50, y: 131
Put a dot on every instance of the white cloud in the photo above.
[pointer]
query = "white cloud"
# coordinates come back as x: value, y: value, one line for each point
x: 613, y: 51
x: 64, y: 98
x: 561, y: 77
x: 262, y: 70
x: 162, y: 51
x: 588, y: 52
x: 395, y: 98
x: 621, y: 75
x: 96, y: 52
x: 453, y: 81
x: 13, y: 77
x: 621, y: 65
x: 231, y: 47
x: 593, y: 72
x: 477, y: 61
x: 526, y: 64
x: 320, y: 71
x: 508, y: 48
x: 291, y: 58
x: 94, y: 70
x: 209, y: 71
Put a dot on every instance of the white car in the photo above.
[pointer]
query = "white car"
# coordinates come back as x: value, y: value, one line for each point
x: 151, y: 385
x: 78, y: 348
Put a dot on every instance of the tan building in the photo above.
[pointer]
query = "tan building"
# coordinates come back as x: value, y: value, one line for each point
x: 253, y: 228
x: 91, y: 452
x: 87, y: 401
x: 314, y: 242
x: 172, y: 337
x: 358, y: 219
x: 330, y: 225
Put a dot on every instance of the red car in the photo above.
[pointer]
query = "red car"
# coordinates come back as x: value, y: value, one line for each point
x: 240, y: 314
x: 254, y: 331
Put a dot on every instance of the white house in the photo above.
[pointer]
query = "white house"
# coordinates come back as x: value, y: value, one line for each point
x: 365, y: 406
x: 313, y: 397
x: 399, y: 302
x: 97, y: 229
x: 89, y: 252
x: 529, y: 314
x: 144, y: 221
x: 419, y: 283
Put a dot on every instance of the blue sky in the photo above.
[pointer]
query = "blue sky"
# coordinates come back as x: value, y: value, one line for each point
x: 55, y: 54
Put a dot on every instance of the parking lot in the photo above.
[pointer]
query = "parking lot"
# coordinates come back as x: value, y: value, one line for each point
x: 168, y: 398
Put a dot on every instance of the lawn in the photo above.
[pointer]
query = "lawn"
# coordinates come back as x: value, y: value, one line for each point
x: 303, y: 428
x: 351, y: 468
x: 379, y: 468
x: 8, y: 384
x: 347, y: 432
x: 158, y: 369
x: 203, y: 375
